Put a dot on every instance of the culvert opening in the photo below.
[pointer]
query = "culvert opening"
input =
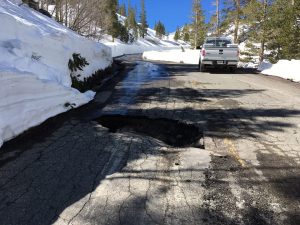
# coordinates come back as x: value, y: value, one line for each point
x: 171, y: 132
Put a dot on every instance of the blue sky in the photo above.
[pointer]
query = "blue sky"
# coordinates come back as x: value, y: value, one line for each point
x: 172, y: 13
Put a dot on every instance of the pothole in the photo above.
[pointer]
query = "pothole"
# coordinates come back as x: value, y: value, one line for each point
x: 171, y: 132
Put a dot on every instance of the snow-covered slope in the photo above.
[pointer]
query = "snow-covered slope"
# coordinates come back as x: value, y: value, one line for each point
x: 149, y: 43
x: 171, y: 37
x: 35, y: 81
x: 33, y: 43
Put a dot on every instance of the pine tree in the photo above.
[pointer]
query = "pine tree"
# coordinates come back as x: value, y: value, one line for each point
x: 257, y: 14
x: 123, y: 33
x: 131, y: 23
x: 177, y: 34
x: 113, y: 28
x: 185, y: 34
x: 211, y: 26
x: 233, y: 11
x: 160, y: 29
x: 198, y: 24
x: 131, y: 18
x: 143, y: 20
x: 163, y: 29
x: 284, y: 40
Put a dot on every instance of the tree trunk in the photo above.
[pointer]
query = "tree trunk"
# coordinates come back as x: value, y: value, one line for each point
x: 57, y: 9
x: 61, y: 14
x: 196, y: 30
x: 66, y: 13
x: 237, y: 21
x: 218, y: 17
x: 262, y: 51
x: 263, y: 38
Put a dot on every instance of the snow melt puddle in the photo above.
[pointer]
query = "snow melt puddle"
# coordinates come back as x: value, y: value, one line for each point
x: 142, y: 73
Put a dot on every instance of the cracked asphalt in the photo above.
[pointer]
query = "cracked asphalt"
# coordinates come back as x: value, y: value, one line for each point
x: 73, y: 170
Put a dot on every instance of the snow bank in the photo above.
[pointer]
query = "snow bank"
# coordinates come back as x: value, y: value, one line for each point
x: 36, y: 44
x: 284, y: 68
x: 35, y: 82
x: 178, y: 56
x: 119, y: 49
x: 27, y: 101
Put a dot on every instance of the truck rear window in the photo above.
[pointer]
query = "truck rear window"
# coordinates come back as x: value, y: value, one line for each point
x: 219, y: 42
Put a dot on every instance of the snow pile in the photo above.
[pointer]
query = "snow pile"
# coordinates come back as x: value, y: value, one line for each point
x: 187, y: 56
x: 283, y: 68
x: 34, y: 76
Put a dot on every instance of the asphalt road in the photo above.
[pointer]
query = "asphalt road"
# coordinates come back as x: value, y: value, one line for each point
x: 163, y: 144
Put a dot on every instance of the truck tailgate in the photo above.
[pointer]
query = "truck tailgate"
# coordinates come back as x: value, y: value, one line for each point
x: 227, y: 54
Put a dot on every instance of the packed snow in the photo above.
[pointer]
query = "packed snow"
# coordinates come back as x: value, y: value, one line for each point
x: 186, y: 56
x: 34, y: 75
x: 287, y: 69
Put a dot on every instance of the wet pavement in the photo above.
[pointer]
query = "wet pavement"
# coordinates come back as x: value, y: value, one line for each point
x: 128, y: 158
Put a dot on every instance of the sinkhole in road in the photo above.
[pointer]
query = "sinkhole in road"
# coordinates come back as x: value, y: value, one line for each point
x: 171, y: 132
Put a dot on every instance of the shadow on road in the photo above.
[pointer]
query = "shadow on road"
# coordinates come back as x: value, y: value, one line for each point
x: 177, y: 69
x: 164, y: 94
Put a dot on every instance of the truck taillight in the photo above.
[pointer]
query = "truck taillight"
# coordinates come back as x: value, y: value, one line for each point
x: 203, y: 52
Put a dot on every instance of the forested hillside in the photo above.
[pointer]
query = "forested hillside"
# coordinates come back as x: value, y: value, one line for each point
x: 266, y: 29
x: 97, y: 18
x: 274, y: 25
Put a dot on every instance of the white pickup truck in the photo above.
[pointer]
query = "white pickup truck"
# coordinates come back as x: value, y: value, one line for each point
x: 219, y: 52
